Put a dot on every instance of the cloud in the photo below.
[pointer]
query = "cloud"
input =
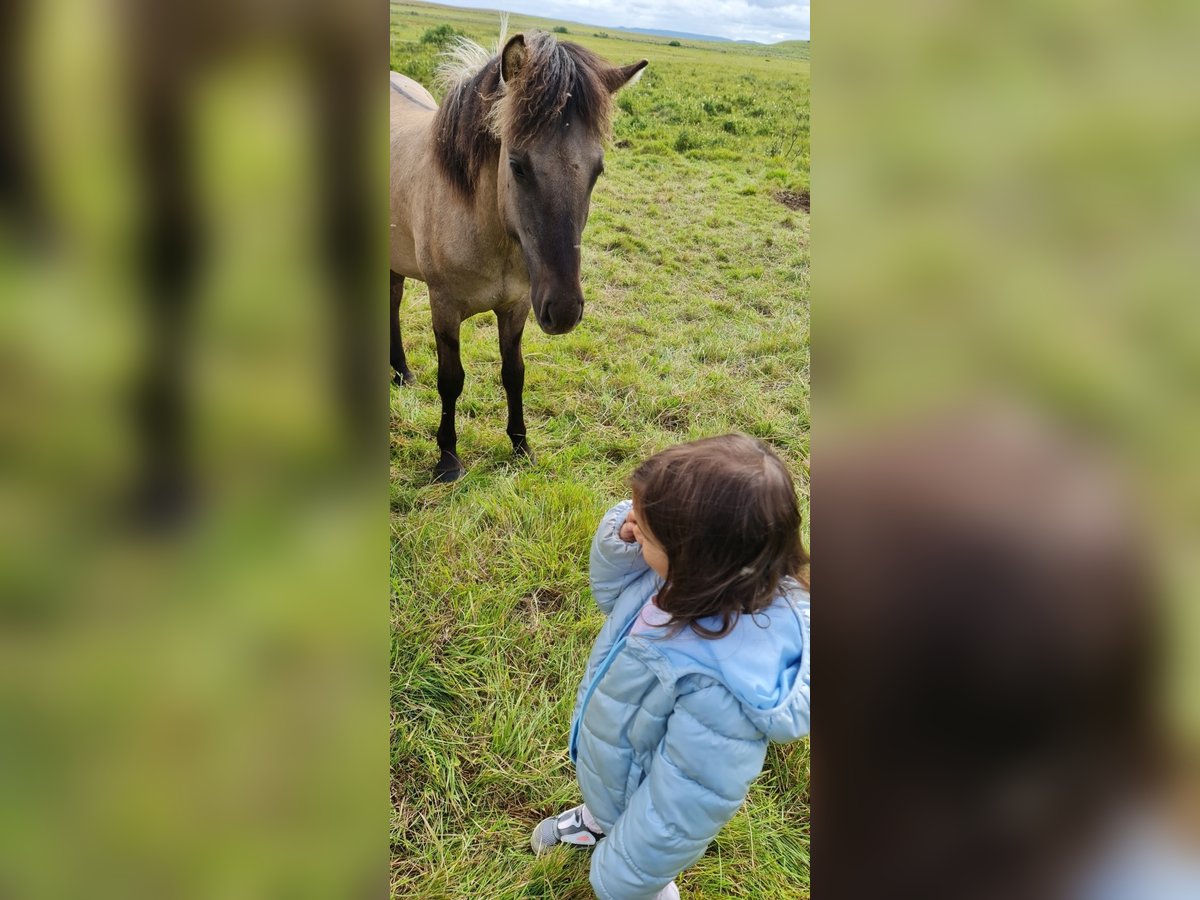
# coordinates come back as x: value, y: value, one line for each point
x: 758, y: 20
x: 775, y: 4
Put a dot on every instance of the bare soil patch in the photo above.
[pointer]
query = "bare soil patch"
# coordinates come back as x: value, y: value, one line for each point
x: 545, y: 600
x: 793, y: 199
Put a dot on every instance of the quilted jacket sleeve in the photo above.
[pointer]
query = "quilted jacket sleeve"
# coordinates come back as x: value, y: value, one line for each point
x: 614, y: 564
x: 698, y: 778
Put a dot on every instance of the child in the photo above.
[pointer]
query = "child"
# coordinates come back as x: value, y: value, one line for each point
x: 704, y: 658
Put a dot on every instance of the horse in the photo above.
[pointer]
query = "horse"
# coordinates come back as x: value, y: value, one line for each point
x: 166, y: 51
x: 490, y: 193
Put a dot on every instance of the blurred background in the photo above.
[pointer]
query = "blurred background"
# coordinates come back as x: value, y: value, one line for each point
x: 193, y: 617
x: 1006, y: 381
x: 193, y: 548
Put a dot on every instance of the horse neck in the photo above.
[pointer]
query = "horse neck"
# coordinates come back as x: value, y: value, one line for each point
x: 489, y: 223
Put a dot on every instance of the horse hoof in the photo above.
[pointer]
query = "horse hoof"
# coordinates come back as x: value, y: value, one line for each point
x: 445, y: 476
x: 401, y: 379
x: 522, y: 451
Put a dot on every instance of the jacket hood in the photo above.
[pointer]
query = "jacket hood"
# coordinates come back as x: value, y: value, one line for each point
x: 763, y: 661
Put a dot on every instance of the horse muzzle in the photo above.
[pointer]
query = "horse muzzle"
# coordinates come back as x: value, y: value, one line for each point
x: 558, y: 316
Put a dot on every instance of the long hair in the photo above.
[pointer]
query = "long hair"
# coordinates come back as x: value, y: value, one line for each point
x: 724, y: 510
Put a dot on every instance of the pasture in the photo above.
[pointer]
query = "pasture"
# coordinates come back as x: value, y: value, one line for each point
x: 695, y: 277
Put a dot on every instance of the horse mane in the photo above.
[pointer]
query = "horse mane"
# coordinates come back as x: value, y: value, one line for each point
x: 558, y: 82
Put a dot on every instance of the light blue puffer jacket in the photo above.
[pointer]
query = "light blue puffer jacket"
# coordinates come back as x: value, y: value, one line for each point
x: 669, y: 732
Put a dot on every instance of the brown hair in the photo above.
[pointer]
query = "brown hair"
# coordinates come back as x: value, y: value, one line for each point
x: 724, y: 510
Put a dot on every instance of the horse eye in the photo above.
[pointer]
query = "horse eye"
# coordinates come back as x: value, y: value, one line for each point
x: 517, y: 169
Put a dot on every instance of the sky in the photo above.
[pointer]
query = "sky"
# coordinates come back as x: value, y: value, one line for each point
x: 766, y: 21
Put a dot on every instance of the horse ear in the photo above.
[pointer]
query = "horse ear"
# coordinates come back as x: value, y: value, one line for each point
x: 622, y: 76
x: 512, y: 58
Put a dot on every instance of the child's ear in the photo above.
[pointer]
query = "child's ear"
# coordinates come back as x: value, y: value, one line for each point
x: 622, y: 76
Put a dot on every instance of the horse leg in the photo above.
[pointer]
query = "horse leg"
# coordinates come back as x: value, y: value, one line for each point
x: 450, y: 385
x: 403, y: 375
x: 348, y: 203
x: 170, y: 248
x: 511, y: 324
x: 20, y: 199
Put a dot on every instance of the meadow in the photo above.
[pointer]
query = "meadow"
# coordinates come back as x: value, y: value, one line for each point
x: 696, y: 281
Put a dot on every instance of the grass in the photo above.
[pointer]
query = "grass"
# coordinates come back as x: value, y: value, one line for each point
x: 696, y: 323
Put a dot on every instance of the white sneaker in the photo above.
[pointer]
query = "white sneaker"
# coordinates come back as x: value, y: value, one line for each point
x: 565, y: 828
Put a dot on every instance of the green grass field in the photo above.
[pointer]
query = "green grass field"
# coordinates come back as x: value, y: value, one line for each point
x: 695, y: 274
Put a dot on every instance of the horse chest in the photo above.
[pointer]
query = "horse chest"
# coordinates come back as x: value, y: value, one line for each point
x: 514, y: 280
x: 500, y: 292
x: 484, y: 280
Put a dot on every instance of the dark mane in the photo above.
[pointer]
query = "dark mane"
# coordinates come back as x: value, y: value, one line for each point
x: 558, y: 82
x: 463, y: 142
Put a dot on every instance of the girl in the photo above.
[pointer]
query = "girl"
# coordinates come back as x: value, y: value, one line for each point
x: 704, y: 658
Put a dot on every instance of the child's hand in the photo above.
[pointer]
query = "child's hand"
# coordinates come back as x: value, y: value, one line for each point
x: 625, y: 533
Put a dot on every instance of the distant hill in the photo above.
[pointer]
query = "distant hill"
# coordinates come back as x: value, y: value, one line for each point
x: 687, y: 35
x: 683, y: 34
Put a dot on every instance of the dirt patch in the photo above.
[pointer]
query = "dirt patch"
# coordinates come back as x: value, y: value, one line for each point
x: 672, y: 420
x: 468, y: 768
x: 545, y: 600
x: 793, y: 199
x: 763, y: 308
x: 616, y: 454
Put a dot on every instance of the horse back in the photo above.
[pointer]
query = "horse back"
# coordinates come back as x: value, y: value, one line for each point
x: 405, y: 89
x: 412, y: 112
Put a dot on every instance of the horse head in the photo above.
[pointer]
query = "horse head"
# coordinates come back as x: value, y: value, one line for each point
x: 552, y: 118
